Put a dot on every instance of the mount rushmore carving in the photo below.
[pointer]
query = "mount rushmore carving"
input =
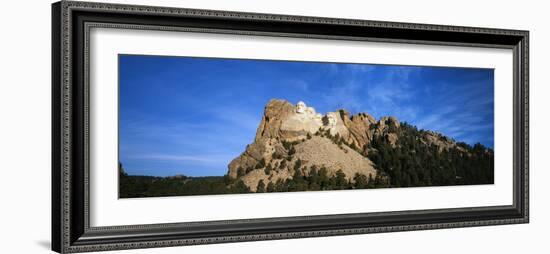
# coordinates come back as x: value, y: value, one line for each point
x: 333, y: 141
x: 294, y: 139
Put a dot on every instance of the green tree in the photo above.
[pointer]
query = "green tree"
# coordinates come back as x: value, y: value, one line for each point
x: 340, y: 180
x: 283, y: 164
x: 121, y: 171
x: 261, y: 187
x: 313, y: 178
x: 324, y: 180
x: 270, y: 187
x: 298, y: 176
x: 370, y: 182
x: 336, y: 139
x: 276, y: 155
x: 268, y: 169
x: 360, y: 180
x: 240, y: 172
x: 297, y: 165
x: 260, y: 164
x: 240, y: 187
x: 291, y: 151
x: 286, y: 145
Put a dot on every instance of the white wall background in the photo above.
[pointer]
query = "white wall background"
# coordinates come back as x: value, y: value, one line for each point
x: 25, y: 125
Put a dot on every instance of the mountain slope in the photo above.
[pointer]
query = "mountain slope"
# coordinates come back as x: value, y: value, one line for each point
x: 296, y: 141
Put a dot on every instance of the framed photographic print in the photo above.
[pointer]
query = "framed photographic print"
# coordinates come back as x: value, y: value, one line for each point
x: 181, y: 126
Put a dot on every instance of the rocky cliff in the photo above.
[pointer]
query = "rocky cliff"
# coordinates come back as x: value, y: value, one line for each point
x: 296, y: 137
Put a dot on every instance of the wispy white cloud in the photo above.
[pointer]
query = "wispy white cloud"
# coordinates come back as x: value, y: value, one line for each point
x: 345, y: 96
x: 362, y: 89
x: 240, y: 118
x: 297, y: 84
x: 207, y: 158
x: 360, y: 69
x: 455, y: 122
x: 206, y: 112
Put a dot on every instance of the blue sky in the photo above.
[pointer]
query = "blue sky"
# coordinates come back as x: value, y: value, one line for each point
x: 192, y: 116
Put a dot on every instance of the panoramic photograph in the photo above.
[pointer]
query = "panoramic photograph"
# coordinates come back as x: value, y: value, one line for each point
x: 206, y: 126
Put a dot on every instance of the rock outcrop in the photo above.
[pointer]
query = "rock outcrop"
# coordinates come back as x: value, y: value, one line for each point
x: 440, y: 141
x: 291, y: 138
x: 288, y: 134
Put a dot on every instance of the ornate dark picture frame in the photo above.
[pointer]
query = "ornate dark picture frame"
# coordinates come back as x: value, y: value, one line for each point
x: 71, y: 22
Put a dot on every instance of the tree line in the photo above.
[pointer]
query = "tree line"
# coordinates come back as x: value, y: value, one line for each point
x: 410, y: 162
x: 131, y: 186
x: 413, y: 162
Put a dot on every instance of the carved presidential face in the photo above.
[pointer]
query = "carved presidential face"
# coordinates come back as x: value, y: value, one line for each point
x: 300, y: 107
x: 318, y: 116
x: 310, y: 111
x: 331, y: 119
